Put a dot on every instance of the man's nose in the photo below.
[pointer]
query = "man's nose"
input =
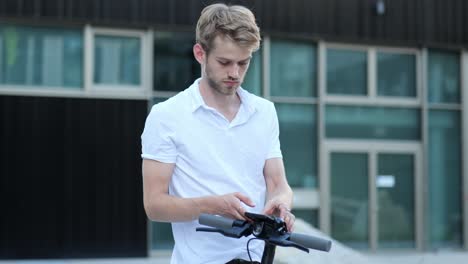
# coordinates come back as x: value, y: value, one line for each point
x: 234, y: 72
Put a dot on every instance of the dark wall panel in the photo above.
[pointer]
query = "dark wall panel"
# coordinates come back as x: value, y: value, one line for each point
x: 415, y: 22
x: 70, y: 178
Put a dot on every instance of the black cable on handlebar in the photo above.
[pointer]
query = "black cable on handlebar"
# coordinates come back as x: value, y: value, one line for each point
x: 248, y: 250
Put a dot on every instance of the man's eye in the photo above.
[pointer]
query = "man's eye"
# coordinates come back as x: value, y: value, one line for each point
x: 223, y: 63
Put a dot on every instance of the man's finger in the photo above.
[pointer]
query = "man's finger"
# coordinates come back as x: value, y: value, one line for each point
x: 290, y: 219
x: 245, y: 199
x: 269, y: 209
x: 239, y: 214
x: 283, y: 213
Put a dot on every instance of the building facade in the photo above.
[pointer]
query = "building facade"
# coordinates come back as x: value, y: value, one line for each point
x: 370, y: 94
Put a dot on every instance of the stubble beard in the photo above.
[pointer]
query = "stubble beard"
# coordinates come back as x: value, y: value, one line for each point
x: 220, y: 87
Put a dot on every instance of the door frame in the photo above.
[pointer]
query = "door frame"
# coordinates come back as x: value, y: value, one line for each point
x: 372, y: 147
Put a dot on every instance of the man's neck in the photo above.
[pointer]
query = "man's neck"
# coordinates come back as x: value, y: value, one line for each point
x: 227, y: 105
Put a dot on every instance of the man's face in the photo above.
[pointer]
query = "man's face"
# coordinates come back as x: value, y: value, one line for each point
x: 226, y: 65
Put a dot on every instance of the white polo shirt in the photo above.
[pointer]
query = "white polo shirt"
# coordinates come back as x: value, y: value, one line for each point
x: 212, y: 156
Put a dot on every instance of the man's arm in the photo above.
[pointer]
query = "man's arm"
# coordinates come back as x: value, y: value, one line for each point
x: 163, y: 207
x: 279, y: 194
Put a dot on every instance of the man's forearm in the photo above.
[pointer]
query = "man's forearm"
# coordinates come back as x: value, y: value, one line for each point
x: 169, y: 208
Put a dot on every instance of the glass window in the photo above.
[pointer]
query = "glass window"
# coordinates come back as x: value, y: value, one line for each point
x: 372, y: 122
x: 157, y: 100
x: 346, y: 72
x: 293, y: 70
x: 445, y: 209
x: 175, y: 68
x: 253, y: 78
x: 443, y: 77
x: 298, y: 136
x: 308, y: 215
x: 117, y: 60
x: 396, y: 74
x: 46, y: 57
x: 161, y: 236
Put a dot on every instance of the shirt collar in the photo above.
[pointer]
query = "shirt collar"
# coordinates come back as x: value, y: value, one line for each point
x: 197, y: 99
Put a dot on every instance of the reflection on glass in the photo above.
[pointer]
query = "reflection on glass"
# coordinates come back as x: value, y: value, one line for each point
x: 346, y: 72
x: 372, y: 122
x: 36, y: 56
x: 308, y: 215
x: 443, y: 77
x: 396, y: 74
x: 350, y: 198
x: 396, y: 220
x: 161, y: 236
x: 117, y: 60
x: 298, y: 136
x: 175, y: 68
x: 253, y: 78
x: 445, y: 209
x: 293, y: 69
x: 157, y: 100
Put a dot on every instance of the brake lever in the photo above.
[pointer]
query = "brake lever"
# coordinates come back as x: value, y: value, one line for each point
x: 283, y: 240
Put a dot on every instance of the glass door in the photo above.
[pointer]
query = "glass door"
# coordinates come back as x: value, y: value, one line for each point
x: 395, y: 184
x: 372, y: 195
x: 350, y: 198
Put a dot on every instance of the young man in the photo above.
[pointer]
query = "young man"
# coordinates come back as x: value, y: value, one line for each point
x: 214, y: 148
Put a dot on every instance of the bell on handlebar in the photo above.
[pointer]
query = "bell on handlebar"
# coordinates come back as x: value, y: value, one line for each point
x: 257, y: 229
x: 266, y: 226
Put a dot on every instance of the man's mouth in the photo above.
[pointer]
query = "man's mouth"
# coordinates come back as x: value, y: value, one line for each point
x: 231, y: 83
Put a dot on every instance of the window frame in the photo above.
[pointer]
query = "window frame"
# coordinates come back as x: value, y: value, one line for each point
x: 267, y: 54
x: 445, y: 105
x: 89, y: 89
x: 43, y: 90
x: 372, y: 70
x: 145, y: 38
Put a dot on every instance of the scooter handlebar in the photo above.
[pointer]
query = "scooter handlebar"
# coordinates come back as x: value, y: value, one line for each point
x: 300, y: 239
x: 311, y: 242
x: 215, y: 221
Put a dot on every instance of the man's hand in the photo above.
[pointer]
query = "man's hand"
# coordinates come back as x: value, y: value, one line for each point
x: 282, y: 210
x: 231, y: 205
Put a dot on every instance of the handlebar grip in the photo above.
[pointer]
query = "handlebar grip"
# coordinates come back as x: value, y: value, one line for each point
x: 311, y: 242
x: 215, y: 221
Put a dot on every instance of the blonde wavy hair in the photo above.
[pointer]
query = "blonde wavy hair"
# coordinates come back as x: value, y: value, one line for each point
x: 234, y: 22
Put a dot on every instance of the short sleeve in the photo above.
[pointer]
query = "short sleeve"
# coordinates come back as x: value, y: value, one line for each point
x: 158, y: 137
x: 274, y: 149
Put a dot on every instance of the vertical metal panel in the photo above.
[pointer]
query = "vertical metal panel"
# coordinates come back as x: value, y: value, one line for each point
x: 82, y: 10
x: 373, y: 200
x: 464, y: 99
x: 425, y: 148
x: 157, y: 12
x: 322, y: 159
x: 52, y: 8
x: 70, y: 178
x: 12, y: 7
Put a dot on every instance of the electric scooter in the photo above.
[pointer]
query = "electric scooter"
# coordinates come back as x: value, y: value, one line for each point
x: 270, y: 229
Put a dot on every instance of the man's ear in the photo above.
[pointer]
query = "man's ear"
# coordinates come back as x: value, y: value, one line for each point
x: 199, y: 53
